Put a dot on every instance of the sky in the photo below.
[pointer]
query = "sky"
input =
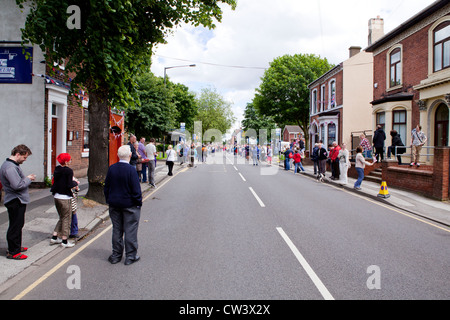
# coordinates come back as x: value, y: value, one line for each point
x: 232, y: 57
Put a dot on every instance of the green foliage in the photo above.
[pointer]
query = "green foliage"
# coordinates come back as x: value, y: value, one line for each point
x: 112, y: 47
x: 284, y: 93
x: 162, y: 107
x: 214, y: 112
x: 186, y: 105
x: 116, y: 38
x: 254, y: 120
x: 156, y: 112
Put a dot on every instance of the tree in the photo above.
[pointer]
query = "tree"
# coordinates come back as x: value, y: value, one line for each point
x: 108, y: 43
x: 253, y: 120
x: 162, y: 107
x: 214, y: 113
x: 156, y: 114
x: 186, y: 105
x: 284, y: 94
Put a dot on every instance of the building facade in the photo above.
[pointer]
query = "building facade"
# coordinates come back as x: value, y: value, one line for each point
x: 292, y: 133
x: 327, y: 99
x: 340, y: 101
x: 36, y: 108
x: 412, y: 77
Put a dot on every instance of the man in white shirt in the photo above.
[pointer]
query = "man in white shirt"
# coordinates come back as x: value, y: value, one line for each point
x: 150, y: 149
x: 418, y: 140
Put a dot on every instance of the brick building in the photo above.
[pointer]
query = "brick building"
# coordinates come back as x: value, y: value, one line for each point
x: 66, y: 121
x: 327, y: 98
x: 292, y: 133
x: 412, y: 77
x: 340, y: 101
x: 36, y: 109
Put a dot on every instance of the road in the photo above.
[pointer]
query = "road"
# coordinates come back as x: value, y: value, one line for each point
x: 229, y: 231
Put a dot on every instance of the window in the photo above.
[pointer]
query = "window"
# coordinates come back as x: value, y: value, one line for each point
x: 86, y: 129
x: 332, y: 133
x: 314, y: 102
x: 322, y: 98
x: 395, y: 68
x: 381, y: 119
x: 322, y: 132
x: 399, y: 123
x: 333, y: 94
x: 442, y: 47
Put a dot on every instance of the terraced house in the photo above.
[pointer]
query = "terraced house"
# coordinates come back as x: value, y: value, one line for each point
x: 412, y: 77
x: 412, y: 87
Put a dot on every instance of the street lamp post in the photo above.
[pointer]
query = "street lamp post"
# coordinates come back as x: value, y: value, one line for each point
x: 167, y: 68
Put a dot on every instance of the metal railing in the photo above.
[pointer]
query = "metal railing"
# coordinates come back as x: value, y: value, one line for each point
x: 429, y: 152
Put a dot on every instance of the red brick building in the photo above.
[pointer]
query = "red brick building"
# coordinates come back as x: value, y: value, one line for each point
x: 412, y: 77
x: 327, y: 98
x: 66, y: 123
x: 292, y: 133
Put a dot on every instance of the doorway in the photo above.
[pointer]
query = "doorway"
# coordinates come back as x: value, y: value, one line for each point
x: 54, y: 144
x: 441, y: 126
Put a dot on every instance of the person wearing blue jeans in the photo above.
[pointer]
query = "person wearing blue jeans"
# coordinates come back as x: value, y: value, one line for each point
x: 360, y: 166
x: 287, y: 159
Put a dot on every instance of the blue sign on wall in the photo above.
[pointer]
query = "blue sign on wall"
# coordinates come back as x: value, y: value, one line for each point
x: 14, y: 67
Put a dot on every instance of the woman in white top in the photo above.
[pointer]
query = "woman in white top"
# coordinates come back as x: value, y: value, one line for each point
x: 360, y: 166
x: 344, y: 164
x: 170, y: 161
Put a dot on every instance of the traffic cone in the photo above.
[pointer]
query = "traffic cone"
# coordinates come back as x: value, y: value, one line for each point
x: 384, y: 192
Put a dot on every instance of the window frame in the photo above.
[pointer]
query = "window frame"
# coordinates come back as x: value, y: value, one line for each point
x: 331, y: 104
x: 442, y: 42
x: 378, y: 122
x: 322, y: 98
x: 398, y: 67
x: 314, y: 102
x: 396, y: 125
x: 86, y: 128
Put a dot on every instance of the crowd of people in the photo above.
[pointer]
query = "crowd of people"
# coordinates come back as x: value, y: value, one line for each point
x: 137, y: 163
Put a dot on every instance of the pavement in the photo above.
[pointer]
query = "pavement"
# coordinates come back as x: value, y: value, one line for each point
x: 41, y: 217
x: 40, y: 220
x: 413, y: 203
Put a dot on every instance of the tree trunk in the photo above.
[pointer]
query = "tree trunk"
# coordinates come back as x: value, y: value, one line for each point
x: 98, y: 144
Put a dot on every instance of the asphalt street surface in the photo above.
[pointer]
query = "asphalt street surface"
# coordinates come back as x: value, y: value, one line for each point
x: 227, y: 231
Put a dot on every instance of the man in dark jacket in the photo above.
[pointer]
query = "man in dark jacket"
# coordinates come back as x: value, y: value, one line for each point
x: 378, y: 143
x: 123, y: 194
x: 17, y: 197
x: 134, y: 155
x: 322, y: 156
x: 397, y: 148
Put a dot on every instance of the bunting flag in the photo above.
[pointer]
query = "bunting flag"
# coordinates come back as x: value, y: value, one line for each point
x: 116, y: 124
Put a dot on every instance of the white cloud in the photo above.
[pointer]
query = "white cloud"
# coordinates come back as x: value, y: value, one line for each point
x: 258, y: 31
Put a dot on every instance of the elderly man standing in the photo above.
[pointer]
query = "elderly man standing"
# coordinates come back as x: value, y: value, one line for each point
x: 123, y: 194
x: 16, y: 186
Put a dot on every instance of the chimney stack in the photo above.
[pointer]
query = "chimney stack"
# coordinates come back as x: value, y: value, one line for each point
x: 376, y: 29
x: 354, y: 51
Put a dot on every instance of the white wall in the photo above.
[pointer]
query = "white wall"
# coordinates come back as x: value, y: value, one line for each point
x: 22, y: 105
x: 358, y: 95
